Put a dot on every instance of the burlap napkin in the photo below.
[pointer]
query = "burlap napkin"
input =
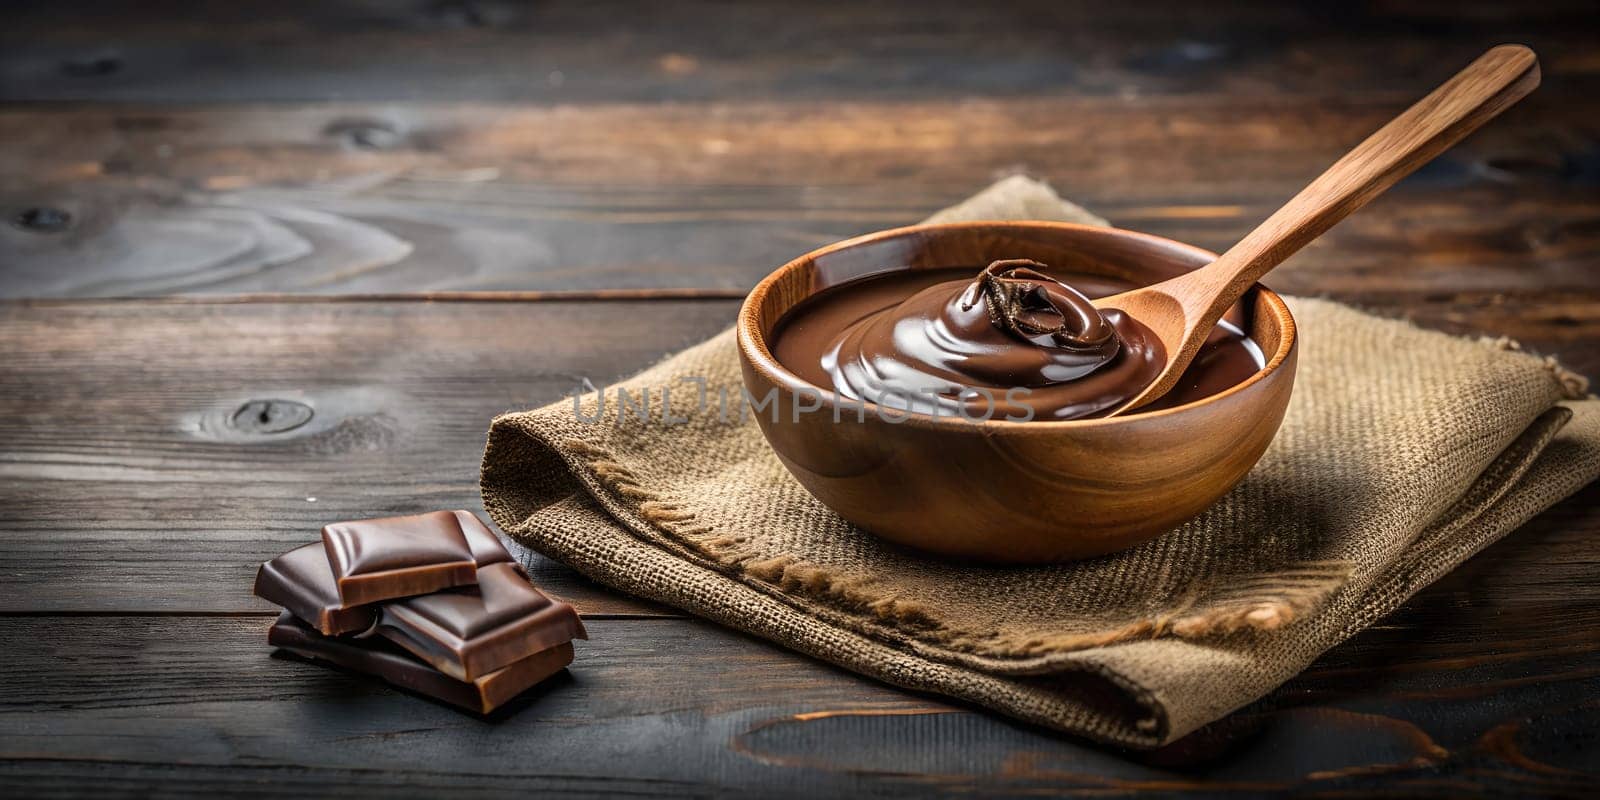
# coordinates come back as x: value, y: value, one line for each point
x: 1403, y: 453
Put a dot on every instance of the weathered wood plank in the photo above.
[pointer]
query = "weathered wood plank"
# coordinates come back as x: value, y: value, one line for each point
x: 127, y: 201
x: 1104, y: 149
x: 611, y: 51
x: 679, y: 707
x: 124, y: 487
x: 129, y: 485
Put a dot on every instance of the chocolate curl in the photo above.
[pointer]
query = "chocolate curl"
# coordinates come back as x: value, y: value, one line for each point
x: 1030, y: 305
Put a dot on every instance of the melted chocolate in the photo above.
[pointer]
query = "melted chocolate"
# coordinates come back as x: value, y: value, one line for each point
x: 1020, y: 341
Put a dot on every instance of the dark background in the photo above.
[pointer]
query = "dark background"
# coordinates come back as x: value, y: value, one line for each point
x: 215, y: 217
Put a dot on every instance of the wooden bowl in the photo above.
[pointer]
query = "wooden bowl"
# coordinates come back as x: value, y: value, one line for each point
x: 1014, y: 492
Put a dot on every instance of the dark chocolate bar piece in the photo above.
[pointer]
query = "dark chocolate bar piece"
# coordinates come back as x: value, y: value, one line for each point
x: 474, y: 630
x: 377, y: 657
x: 383, y: 559
x: 302, y: 582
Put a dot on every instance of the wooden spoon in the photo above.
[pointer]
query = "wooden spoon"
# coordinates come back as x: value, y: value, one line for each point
x: 1182, y: 311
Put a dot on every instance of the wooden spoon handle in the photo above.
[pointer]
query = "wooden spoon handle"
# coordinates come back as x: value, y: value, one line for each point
x: 1460, y: 106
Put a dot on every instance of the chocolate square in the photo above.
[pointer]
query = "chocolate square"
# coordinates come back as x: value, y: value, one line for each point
x: 473, y: 630
x: 393, y: 557
x: 302, y: 581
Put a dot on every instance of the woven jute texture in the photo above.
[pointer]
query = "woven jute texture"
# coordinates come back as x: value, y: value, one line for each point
x: 1404, y: 452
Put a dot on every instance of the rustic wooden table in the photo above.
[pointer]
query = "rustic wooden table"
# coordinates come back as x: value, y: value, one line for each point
x: 409, y: 217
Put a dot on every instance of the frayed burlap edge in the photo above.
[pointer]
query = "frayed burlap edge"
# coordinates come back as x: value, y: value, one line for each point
x: 733, y: 553
x: 1573, y: 385
x: 1254, y: 603
x: 616, y: 554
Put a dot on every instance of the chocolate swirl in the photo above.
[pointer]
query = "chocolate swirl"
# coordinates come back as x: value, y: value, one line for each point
x: 1014, y: 343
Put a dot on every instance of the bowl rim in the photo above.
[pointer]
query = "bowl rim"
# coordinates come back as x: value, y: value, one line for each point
x: 753, y: 346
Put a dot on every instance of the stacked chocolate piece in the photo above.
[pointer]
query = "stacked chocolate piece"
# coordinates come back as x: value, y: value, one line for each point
x: 432, y: 603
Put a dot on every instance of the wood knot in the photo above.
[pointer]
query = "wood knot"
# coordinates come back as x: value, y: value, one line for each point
x: 42, y: 219
x: 267, y: 417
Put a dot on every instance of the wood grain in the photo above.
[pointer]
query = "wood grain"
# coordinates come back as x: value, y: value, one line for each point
x: 715, y: 195
x: 774, y: 139
x: 132, y: 447
x: 616, y: 51
x: 658, y: 706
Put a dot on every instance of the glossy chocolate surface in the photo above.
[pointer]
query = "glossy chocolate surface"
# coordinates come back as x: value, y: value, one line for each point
x: 1020, y: 341
x: 302, y: 581
x: 380, y: 658
x: 473, y: 630
x: 393, y: 557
